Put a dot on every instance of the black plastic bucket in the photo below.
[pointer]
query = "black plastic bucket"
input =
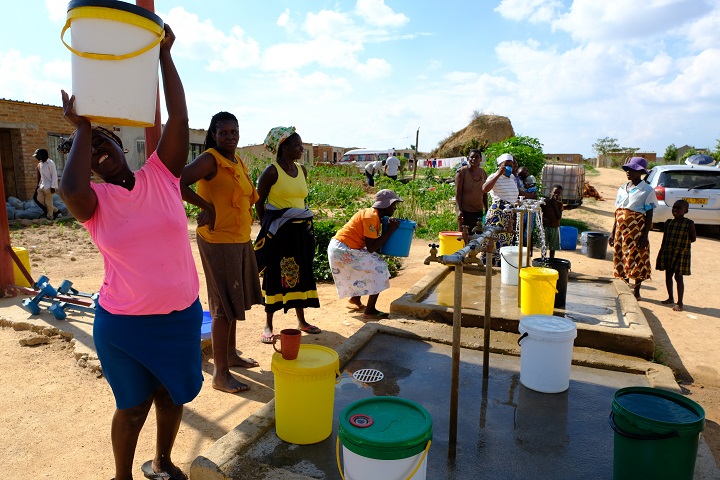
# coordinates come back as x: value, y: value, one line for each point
x: 597, y: 244
x: 563, y: 267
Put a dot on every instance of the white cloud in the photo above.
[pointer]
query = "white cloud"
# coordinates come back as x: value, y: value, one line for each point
x: 375, y: 12
x: 201, y: 40
x: 623, y: 20
x: 284, y: 18
x: 57, y: 10
x: 285, y: 21
x: 30, y: 80
x: 536, y: 11
x: 704, y: 32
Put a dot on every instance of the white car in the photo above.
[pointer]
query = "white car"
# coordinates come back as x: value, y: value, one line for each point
x: 698, y: 185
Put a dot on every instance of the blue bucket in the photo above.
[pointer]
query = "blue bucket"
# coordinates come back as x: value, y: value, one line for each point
x: 398, y: 245
x: 206, y: 327
x: 568, y: 238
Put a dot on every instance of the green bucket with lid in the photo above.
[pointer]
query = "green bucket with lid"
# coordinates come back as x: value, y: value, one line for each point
x: 656, y: 434
x: 384, y: 437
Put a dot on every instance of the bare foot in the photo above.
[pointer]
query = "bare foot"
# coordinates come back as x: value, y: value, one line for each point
x: 636, y: 292
x: 678, y: 307
x: 228, y: 383
x: 669, y: 301
x: 238, y: 361
x: 355, y: 305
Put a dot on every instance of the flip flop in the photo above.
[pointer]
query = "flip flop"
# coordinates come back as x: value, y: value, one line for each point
x: 267, y: 339
x: 148, y: 471
x: 312, y: 329
x: 354, y: 306
x: 376, y: 316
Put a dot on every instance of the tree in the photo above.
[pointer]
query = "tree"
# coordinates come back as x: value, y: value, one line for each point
x: 671, y: 153
x: 690, y: 151
x: 716, y: 153
x: 526, y: 150
x: 603, y: 146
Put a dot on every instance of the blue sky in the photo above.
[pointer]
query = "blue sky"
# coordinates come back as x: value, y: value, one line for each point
x: 369, y: 73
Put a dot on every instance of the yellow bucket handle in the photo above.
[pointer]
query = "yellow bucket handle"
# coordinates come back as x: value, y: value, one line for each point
x: 412, y: 474
x: 111, y: 14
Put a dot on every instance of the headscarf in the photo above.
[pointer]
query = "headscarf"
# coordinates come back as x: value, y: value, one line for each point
x: 276, y: 136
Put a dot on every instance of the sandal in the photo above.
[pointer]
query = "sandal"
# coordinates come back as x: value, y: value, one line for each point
x: 378, y: 315
x: 311, y: 329
x: 267, y: 339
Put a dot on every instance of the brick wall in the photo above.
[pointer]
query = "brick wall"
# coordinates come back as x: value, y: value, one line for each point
x: 30, y: 125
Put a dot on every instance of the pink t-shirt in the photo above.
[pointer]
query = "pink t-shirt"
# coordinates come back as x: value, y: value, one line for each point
x: 143, y: 237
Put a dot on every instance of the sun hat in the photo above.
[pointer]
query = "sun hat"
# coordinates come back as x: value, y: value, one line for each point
x: 504, y: 158
x: 384, y: 198
x: 276, y: 136
x: 636, y: 163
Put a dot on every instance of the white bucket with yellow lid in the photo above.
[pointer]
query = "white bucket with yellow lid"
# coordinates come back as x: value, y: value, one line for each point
x: 116, y: 51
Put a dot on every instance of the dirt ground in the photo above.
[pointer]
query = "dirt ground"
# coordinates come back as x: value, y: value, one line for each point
x: 55, y: 416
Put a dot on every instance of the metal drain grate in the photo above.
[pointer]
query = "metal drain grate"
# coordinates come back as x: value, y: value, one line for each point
x: 368, y: 375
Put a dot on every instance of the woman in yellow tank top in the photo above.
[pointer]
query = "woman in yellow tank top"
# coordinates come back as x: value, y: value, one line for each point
x: 285, y: 246
x: 226, y: 195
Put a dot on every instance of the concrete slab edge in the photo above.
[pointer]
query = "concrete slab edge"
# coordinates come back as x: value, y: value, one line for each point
x: 223, y: 460
x: 636, y: 340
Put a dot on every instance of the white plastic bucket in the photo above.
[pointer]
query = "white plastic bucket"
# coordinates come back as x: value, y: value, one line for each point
x: 384, y: 438
x: 115, y: 48
x: 509, y: 264
x: 546, y: 352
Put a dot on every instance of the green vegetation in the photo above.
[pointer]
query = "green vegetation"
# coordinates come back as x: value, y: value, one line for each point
x: 671, y: 153
x: 526, y: 150
x: 579, y: 224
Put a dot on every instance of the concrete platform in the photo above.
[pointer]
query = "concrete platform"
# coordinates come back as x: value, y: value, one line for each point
x: 607, y: 315
x: 505, y: 431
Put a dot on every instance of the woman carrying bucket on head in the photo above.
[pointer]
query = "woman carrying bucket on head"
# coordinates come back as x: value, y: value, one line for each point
x: 356, y: 267
x: 148, y: 317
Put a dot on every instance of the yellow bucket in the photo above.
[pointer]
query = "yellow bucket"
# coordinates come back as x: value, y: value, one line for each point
x: 22, y: 254
x: 537, y: 290
x: 450, y: 242
x: 116, y: 51
x: 308, y: 382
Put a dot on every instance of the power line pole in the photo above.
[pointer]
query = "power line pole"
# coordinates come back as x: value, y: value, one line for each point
x: 417, y: 137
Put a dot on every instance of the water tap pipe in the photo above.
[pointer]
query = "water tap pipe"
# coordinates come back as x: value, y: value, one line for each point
x: 475, y: 244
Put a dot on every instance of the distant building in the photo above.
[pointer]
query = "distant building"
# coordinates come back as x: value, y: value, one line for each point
x: 323, y: 153
x: 575, y: 158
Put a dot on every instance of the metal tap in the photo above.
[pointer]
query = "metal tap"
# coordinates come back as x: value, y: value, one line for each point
x: 433, y: 254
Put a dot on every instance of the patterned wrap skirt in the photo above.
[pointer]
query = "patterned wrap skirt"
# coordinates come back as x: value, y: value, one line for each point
x: 357, y: 272
x: 495, y: 218
x: 629, y: 260
x: 288, y: 278
x: 231, y: 274
x: 674, y: 254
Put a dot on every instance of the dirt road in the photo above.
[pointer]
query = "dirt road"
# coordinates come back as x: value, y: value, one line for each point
x: 55, y: 417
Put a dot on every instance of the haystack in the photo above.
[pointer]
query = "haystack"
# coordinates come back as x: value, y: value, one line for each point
x: 490, y: 128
